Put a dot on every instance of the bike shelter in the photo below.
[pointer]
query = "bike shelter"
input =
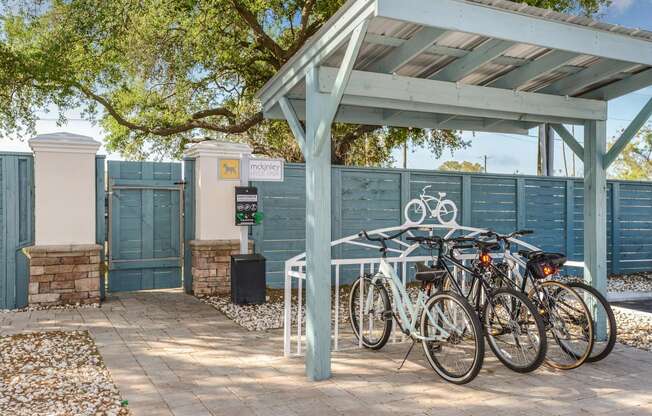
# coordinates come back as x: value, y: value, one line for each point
x: 480, y: 65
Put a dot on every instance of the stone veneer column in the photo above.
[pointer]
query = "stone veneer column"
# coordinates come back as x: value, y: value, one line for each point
x: 65, y: 260
x: 211, y: 265
x: 216, y: 235
x: 64, y: 274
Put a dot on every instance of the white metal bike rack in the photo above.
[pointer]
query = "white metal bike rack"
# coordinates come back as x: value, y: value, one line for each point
x: 402, y: 255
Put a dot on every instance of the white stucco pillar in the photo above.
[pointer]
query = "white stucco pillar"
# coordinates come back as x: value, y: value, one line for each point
x: 215, y: 197
x: 216, y: 235
x: 64, y: 183
x: 64, y: 262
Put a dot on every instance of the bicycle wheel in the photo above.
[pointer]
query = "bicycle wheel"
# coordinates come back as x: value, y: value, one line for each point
x: 453, y: 341
x: 415, y: 211
x: 375, y: 318
x: 515, y: 330
x: 568, y: 322
x: 605, y: 331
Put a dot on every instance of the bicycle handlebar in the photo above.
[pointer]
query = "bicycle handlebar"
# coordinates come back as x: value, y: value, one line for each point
x: 381, y: 238
x: 506, y: 236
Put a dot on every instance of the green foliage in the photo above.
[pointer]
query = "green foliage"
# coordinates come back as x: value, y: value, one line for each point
x: 159, y: 74
x: 635, y: 161
x: 583, y: 7
x: 455, y: 166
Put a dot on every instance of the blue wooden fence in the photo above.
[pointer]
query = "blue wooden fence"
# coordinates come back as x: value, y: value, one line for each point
x: 16, y: 226
x: 369, y: 198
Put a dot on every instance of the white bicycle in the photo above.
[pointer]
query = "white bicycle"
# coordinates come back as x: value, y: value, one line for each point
x: 416, y: 210
x: 449, y: 329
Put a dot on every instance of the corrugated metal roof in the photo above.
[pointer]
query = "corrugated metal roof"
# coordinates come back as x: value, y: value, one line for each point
x: 565, y: 18
x: 385, y: 34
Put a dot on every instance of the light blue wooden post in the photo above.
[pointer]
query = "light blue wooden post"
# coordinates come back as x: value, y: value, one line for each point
x: 521, y: 218
x: 466, y: 200
x: 615, y: 227
x: 570, y: 218
x: 318, y: 235
x: 188, y: 220
x: 595, y: 205
x: 595, y: 214
x: 100, y: 216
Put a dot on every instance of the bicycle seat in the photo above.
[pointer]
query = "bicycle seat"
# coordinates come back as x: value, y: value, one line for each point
x: 442, y: 194
x: 487, y: 245
x: 428, y: 274
x: 557, y: 259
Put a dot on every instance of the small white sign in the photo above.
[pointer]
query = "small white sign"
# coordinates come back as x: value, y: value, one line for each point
x: 266, y: 170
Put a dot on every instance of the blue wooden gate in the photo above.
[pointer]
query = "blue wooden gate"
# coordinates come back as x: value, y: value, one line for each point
x: 16, y: 226
x: 145, y: 225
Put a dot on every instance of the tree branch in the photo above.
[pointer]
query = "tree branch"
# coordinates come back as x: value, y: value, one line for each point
x: 306, y: 12
x: 195, y: 122
x: 264, y: 39
x: 344, y: 144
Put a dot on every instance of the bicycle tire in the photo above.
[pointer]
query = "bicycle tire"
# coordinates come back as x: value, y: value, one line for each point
x: 478, y: 338
x: 354, y: 314
x: 604, y: 349
x: 585, y: 322
x: 500, y: 352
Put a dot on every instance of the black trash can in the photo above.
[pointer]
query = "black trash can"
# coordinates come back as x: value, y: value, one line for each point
x: 248, y: 284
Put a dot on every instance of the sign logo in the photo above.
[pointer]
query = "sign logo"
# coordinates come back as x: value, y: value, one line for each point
x: 229, y: 169
x: 266, y: 170
x: 443, y: 210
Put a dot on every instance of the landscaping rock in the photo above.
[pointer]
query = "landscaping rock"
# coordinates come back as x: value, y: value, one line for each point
x: 56, y: 374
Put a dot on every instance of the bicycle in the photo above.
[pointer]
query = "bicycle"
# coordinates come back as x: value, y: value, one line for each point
x: 445, y: 210
x: 605, y: 330
x: 513, y: 328
x: 448, y: 328
x: 566, y: 316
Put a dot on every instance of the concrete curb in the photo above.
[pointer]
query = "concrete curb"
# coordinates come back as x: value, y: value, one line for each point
x: 633, y: 311
x: 626, y: 296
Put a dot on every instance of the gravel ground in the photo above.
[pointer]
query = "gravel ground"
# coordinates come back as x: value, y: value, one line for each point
x: 634, y: 328
x: 53, y: 307
x: 268, y: 315
x: 55, y: 374
x: 636, y: 282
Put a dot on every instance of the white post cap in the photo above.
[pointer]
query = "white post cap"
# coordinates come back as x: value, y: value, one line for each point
x: 217, y: 148
x: 64, y: 143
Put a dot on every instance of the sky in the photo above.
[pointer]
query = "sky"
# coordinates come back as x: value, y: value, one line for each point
x: 504, y: 153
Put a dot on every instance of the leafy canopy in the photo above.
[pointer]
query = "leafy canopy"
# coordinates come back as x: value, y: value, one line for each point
x: 464, y: 166
x: 158, y: 74
x: 635, y: 161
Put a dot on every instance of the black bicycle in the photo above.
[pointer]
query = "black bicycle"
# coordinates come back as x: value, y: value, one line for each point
x: 512, y: 326
x: 566, y: 316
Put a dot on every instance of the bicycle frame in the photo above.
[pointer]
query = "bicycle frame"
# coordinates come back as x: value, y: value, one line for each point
x: 402, y: 304
x: 485, y: 288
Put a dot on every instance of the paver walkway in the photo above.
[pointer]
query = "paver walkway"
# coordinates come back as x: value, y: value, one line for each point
x: 637, y: 305
x: 170, y: 354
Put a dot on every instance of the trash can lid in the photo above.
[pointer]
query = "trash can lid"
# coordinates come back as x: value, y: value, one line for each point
x: 248, y: 257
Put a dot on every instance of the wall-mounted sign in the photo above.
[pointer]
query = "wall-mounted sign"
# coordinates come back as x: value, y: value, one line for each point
x: 266, y: 170
x: 437, y: 207
x: 246, y: 205
x: 229, y: 169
